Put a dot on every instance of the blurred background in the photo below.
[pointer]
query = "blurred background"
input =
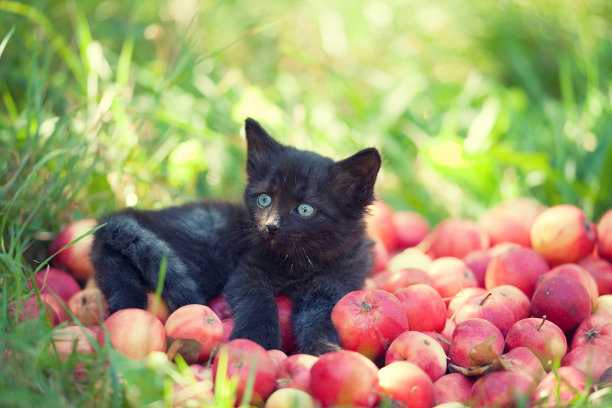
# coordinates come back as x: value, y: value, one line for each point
x: 115, y: 103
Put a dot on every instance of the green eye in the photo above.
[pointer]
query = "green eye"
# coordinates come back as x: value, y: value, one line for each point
x: 264, y: 200
x: 305, y: 210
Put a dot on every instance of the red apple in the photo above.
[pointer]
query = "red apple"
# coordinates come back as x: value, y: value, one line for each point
x: 197, y: 322
x: 344, y: 378
x: 511, y: 221
x: 89, y: 306
x: 444, y: 337
x: 31, y: 309
x: 500, y: 389
x: 420, y: 349
x: 544, y: 338
x: 285, y: 310
x: 455, y: 237
x: 381, y: 256
x: 411, y: 228
x: 478, y: 261
x: 219, y: 305
x: 241, y: 354
x: 563, y: 300
x: 58, y: 305
x: 228, y: 326
x: 596, y: 329
x: 277, y: 356
x: 520, y: 267
x: 470, y: 333
x: 577, y: 272
x: 53, y: 280
x: 604, y: 232
x: 424, y: 307
x: 73, y: 339
x: 392, y: 281
x: 158, y: 307
x: 76, y: 256
x: 601, y: 271
x: 135, y: 333
x: 367, y: 321
x: 453, y: 387
x: 559, y: 387
x: 521, y: 302
x: 294, y: 372
x: 562, y: 234
x: 461, y: 298
x: 290, y: 397
x: 450, y: 275
x: 410, y: 258
x: 380, y: 224
x: 591, y: 359
x: 524, y: 361
x: 407, y: 384
x: 491, y: 306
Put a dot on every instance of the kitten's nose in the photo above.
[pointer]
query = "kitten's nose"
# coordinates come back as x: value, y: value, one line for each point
x: 272, y: 226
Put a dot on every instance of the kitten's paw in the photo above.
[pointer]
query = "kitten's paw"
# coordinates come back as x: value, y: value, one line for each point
x: 319, y: 348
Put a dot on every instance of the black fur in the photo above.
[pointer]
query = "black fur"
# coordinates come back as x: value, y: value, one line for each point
x: 250, y: 253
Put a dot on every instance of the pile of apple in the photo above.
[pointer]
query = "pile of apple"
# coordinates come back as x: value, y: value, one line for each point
x: 513, y: 308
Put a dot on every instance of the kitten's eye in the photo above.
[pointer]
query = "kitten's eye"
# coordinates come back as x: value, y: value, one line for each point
x: 264, y: 200
x: 305, y: 210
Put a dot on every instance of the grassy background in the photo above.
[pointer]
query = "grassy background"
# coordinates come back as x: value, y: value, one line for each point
x: 107, y: 104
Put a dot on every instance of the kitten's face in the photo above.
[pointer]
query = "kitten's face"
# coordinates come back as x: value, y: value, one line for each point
x: 306, y: 207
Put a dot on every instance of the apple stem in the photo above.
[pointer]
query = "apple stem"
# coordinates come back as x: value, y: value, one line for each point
x: 443, y: 340
x: 485, y: 298
x: 541, y: 324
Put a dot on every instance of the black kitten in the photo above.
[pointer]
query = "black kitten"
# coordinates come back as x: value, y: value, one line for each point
x: 300, y: 234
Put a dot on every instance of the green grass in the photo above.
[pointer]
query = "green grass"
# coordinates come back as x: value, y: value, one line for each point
x: 105, y: 104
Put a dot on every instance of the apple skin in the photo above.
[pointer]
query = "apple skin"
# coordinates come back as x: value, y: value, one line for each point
x: 424, y: 307
x: 197, y: 322
x: 380, y: 225
x: 558, y: 387
x: 470, y: 333
x: 89, y: 306
x: 604, y: 232
x: 410, y: 258
x: 500, y: 389
x: 285, y: 311
x: 511, y: 221
x: 53, y: 280
x: 525, y: 362
x: 521, y: 302
x: 591, y: 359
x: 158, y: 307
x: 444, y: 336
x: 381, y: 256
x: 596, y: 329
x: 392, y: 281
x: 69, y: 339
x: 453, y: 387
x: 420, y: 349
x: 563, y: 300
x: 58, y: 305
x: 219, y: 305
x: 367, y: 321
x: 520, y: 267
x: 455, y: 237
x: 561, y: 234
x: 294, y: 372
x: 134, y: 333
x: 344, y: 378
x: 410, y: 228
x: 478, y: 261
x: 407, y: 384
x: 228, y: 326
x: 462, y: 298
x: 491, y: 306
x: 544, y: 338
x: 241, y: 354
x: 577, y: 272
x: 76, y: 257
x: 290, y: 397
x: 601, y: 271
x: 450, y: 275
x: 277, y: 356
x: 603, y: 305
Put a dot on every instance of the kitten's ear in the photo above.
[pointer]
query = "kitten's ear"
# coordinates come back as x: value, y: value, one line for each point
x: 355, y: 176
x: 258, y: 140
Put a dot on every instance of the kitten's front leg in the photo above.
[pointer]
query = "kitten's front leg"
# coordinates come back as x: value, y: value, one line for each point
x: 254, y: 310
x: 312, y: 324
